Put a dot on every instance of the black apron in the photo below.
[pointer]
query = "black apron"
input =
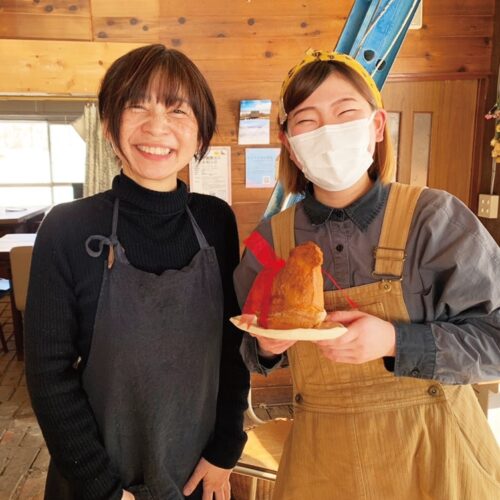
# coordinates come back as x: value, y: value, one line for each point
x: 152, y: 375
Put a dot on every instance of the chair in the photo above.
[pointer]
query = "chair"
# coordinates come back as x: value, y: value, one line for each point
x: 483, y: 392
x: 254, y: 475
x: 20, y: 266
x: 260, y: 460
x: 77, y: 190
x: 4, y: 290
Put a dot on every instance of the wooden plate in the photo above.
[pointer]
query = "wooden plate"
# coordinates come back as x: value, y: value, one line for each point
x: 325, y: 331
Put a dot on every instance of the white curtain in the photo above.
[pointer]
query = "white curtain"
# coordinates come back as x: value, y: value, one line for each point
x: 101, y: 164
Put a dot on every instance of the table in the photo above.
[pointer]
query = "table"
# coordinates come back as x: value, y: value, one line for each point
x: 7, y: 242
x: 21, y: 220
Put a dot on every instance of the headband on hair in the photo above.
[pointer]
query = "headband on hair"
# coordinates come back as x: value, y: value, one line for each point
x: 324, y: 55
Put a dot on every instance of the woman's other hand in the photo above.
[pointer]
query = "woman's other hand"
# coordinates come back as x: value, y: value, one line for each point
x: 272, y: 347
x: 215, y: 481
x: 127, y: 495
x: 367, y: 338
x: 267, y: 347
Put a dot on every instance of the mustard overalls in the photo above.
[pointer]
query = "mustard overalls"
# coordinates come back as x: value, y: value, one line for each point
x: 359, y: 432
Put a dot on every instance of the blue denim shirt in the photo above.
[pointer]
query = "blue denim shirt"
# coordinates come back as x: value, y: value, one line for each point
x: 451, y: 282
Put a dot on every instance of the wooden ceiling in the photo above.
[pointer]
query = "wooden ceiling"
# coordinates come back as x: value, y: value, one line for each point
x: 64, y: 46
x: 177, y: 22
x: 153, y: 20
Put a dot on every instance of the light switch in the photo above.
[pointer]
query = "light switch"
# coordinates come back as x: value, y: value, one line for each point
x: 488, y: 206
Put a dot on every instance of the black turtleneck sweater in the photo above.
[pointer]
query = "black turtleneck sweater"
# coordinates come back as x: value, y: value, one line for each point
x: 157, y: 234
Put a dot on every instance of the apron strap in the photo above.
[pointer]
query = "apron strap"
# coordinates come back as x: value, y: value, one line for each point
x: 114, y: 225
x: 111, y: 241
x: 202, y: 241
x: 390, y: 253
x: 283, y: 231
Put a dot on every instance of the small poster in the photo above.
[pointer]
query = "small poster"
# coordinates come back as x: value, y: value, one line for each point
x: 212, y: 175
x: 254, y: 122
x: 261, y: 167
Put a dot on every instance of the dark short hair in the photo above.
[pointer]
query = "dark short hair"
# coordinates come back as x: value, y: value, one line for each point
x: 300, y: 88
x: 129, y: 79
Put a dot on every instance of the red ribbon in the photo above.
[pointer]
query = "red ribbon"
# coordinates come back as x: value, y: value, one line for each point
x: 259, y: 298
x: 348, y: 299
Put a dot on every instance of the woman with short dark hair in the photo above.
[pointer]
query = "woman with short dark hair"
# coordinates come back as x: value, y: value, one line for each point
x: 132, y: 365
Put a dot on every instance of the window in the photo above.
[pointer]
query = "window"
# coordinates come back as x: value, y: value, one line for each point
x: 41, y: 155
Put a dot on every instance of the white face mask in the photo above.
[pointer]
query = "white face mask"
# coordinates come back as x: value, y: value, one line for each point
x: 334, y: 157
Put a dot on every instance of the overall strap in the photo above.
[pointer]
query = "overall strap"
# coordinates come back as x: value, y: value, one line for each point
x: 283, y: 231
x: 390, y: 253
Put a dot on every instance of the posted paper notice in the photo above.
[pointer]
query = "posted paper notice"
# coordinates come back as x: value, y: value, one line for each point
x: 212, y: 175
x: 254, y: 122
x: 261, y: 167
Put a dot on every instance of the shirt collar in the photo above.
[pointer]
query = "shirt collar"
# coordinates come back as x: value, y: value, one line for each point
x: 137, y: 196
x: 361, y: 212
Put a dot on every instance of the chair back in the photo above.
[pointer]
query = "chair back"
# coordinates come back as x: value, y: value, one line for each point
x: 20, y: 265
x: 254, y: 475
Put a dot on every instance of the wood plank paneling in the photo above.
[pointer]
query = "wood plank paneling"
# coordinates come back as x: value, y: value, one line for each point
x: 243, y: 47
x: 130, y: 21
x: 36, y: 26
x: 464, y: 7
x: 256, y: 9
x: 251, y: 211
x: 129, y: 8
x: 271, y: 26
x: 456, y: 36
x: 244, y: 195
x: 246, y: 50
x: 55, y: 67
x: 126, y: 29
x: 454, y: 25
x: 466, y: 47
x: 42, y: 19
x: 452, y: 171
x: 54, y: 8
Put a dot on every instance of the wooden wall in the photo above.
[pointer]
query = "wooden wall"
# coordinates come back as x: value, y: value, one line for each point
x: 493, y: 225
x: 244, y: 47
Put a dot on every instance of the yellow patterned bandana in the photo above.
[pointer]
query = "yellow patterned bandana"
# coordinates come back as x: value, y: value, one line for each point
x: 324, y: 55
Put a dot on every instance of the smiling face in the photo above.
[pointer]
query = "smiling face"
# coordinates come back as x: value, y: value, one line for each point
x: 335, y: 101
x: 328, y: 93
x: 157, y: 112
x: 157, y: 141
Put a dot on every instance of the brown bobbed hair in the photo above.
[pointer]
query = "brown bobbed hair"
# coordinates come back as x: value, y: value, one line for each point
x: 132, y: 77
x: 299, y: 89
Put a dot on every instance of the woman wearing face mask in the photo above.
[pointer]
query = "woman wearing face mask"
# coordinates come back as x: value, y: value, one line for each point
x: 385, y: 411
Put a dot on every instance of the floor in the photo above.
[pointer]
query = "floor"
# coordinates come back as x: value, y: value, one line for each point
x: 23, y: 454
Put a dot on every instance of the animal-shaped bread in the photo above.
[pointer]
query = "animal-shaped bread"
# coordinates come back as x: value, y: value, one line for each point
x: 297, y: 290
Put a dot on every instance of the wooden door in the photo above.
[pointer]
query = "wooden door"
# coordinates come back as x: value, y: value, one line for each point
x: 433, y: 123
